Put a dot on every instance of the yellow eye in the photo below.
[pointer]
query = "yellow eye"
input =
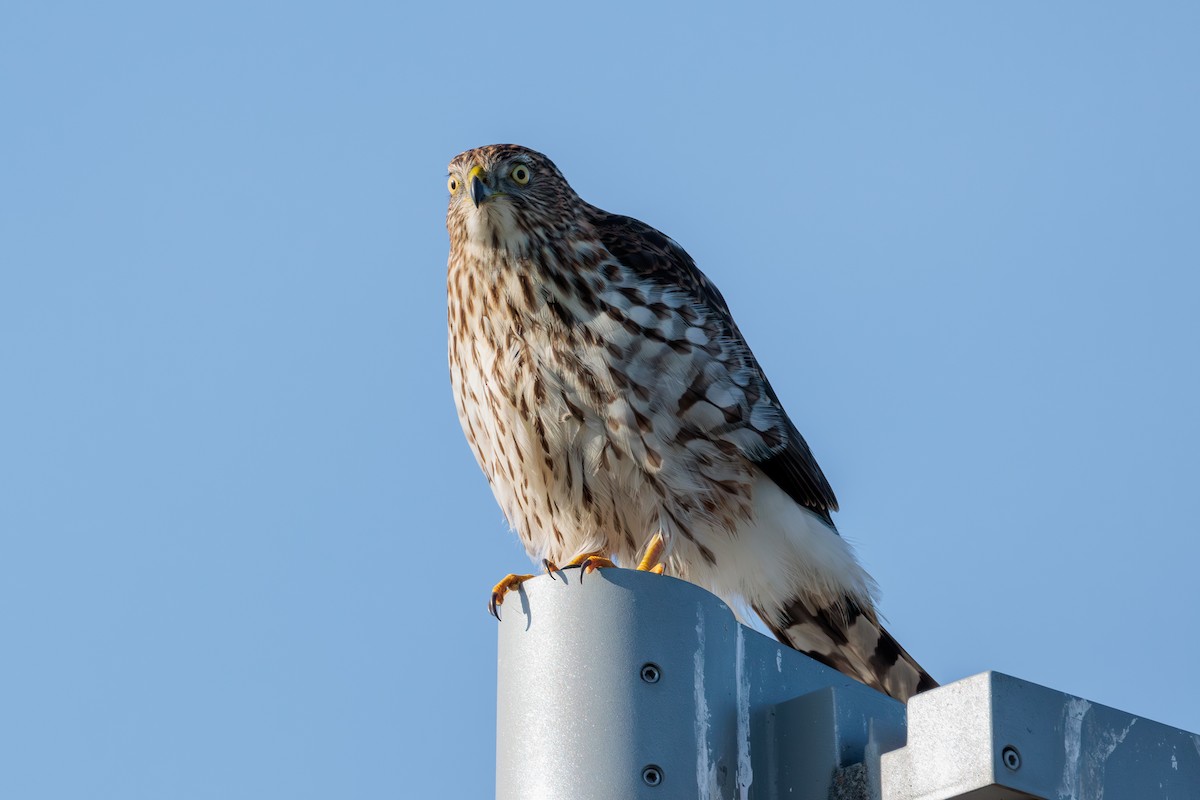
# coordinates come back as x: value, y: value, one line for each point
x: 452, y: 185
x: 520, y: 174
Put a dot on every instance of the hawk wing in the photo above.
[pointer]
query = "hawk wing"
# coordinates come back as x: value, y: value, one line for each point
x: 786, y: 458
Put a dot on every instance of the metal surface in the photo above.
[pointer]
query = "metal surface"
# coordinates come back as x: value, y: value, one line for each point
x: 631, y: 685
x: 577, y: 717
x: 828, y: 729
x: 994, y: 736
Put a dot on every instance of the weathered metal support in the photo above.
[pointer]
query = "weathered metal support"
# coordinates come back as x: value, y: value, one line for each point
x: 994, y: 737
x: 630, y: 685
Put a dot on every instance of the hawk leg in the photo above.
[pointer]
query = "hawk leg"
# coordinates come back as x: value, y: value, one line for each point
x: 652, y: 560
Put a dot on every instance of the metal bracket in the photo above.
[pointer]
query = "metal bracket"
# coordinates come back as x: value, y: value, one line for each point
x: 995, y: 736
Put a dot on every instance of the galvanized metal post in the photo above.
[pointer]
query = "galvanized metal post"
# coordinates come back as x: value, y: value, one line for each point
x: 630, y: 685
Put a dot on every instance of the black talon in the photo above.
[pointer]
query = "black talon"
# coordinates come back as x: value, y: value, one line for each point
x: 494, y: 607
x: 546, y: 566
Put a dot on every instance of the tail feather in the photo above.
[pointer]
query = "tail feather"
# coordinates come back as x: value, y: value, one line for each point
x: 850, y: 639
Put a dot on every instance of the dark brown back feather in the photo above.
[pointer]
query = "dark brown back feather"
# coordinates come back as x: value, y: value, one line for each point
x: 656, y: 256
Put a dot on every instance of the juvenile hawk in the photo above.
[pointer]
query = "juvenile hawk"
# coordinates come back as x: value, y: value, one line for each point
x: 608, y: 395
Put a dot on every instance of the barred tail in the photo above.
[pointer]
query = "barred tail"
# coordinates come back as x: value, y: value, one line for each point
x: 851, y: 640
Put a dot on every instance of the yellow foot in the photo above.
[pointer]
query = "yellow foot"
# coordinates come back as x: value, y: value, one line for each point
x: 590, y: 561
x: 578, y: 560
x: 593, y: 562
x: 502, y: 588
x: 652, y: 560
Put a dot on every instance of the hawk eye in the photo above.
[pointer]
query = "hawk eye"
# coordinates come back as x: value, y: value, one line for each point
x: 520, y: 174
x: 452, y: 185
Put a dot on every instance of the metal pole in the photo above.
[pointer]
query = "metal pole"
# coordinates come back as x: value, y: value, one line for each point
x: 631, y: 685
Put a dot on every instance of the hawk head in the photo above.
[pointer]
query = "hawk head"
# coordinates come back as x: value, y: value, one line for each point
x: 504, y: 196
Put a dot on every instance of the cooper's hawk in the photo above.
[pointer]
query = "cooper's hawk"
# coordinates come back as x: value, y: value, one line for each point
x: 608, y: 395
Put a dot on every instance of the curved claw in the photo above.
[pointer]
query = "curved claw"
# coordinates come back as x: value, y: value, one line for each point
x: 580, y: 561
x: 592, y: 562
x: 502, y: 588
x: 550, y: 568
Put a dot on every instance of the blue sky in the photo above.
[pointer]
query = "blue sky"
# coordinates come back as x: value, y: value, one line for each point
x: 244, y: 549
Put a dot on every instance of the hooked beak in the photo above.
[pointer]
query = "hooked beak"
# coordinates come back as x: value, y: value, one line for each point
x: 479, y: 190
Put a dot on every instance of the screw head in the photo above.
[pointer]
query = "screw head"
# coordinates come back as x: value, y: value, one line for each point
x: 651, y: 672
x: 652, y: 775
x: 1011, y: 757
